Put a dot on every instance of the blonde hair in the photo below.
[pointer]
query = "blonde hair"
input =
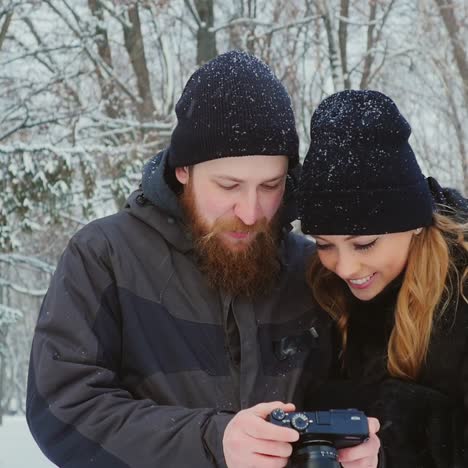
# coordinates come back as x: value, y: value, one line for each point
x: 432, y: 281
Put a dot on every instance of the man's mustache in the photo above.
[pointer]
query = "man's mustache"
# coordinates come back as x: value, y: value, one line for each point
x: 237, y: 225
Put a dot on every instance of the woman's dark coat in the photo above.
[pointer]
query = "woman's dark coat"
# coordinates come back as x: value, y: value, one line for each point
x: 424, y: 424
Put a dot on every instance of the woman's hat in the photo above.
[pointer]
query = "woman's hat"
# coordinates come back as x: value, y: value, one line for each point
x: 360, y: 175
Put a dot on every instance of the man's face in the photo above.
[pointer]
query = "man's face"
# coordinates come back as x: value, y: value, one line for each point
x: 231, y: 206
x: 234, y: 196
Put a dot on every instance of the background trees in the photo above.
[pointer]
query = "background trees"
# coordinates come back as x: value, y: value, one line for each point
x: 88, y: 89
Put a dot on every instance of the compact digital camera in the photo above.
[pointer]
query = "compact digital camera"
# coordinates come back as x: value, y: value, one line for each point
x: 321, y: 433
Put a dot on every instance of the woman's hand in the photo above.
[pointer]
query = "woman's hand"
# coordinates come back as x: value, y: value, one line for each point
x: 365, y: 455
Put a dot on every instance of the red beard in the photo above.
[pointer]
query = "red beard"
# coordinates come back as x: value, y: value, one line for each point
x: 249, y: 269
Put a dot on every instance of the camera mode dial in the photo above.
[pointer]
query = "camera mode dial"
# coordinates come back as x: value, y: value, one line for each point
x: 300, y: 421
x: 278, y: 414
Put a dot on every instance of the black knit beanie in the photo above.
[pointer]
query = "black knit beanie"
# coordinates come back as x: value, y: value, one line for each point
x: 360, y: 175
x: 233, y: 106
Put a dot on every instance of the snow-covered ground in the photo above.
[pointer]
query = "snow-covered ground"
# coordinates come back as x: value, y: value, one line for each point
x: 17, y: 447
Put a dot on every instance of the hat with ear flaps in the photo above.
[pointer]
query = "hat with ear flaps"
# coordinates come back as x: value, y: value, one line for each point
x: 360, y: 175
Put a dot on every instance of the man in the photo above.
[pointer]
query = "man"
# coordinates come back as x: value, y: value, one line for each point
x: 173, y: 328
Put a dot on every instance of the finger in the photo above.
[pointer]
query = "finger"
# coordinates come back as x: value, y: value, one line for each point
x: 374, y: 425
x: 368, y: 449
x: 288, y: 407
x: 258, y: 428
x: 272, y: 448
x: 264, y: 409
x: 363, y: 463
x: 265, y: 461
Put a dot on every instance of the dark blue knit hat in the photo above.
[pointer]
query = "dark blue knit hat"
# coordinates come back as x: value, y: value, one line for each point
x: 360, y: 175
x: 233, y: 106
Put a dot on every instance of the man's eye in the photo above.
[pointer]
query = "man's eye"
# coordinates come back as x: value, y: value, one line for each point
x: 270, y: 187
x: 228, y: 187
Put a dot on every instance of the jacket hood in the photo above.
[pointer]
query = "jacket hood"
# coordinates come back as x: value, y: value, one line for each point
x: 155, y: 186
x: 170, y: 227
x: 156, y: 204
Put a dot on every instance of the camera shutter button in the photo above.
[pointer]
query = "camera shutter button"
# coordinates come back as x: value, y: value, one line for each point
x: 300, y: 421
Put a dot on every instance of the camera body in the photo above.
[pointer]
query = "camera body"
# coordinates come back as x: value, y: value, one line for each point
x: 339, y: 428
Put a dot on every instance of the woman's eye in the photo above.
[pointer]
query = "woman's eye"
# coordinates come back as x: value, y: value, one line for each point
x: 323, y: 246
x: 365, y: 246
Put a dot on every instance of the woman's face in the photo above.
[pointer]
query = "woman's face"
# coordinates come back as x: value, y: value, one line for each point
x: 366, y: 263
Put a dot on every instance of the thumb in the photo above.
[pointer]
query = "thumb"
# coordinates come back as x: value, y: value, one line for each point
x: 264, y: 409
x: 374, y: 425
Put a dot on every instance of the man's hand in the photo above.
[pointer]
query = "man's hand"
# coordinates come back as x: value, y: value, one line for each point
x: 250, y: 441
x: 364, y: 455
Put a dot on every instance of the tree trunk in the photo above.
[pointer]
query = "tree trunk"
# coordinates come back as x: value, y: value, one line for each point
x: 446, y: 9
x: 332, y: 51
x: 369, y: 60
x: 136, y: 51
x: 206, y: 39
x: 107, y: 87
x: 343, y: 42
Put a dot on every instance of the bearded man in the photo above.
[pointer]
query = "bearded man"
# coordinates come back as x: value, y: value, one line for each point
x: 173, y: 328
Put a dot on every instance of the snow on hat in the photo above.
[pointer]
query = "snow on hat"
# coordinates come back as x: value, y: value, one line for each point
x: 233, y: 105
x: 360, y: 175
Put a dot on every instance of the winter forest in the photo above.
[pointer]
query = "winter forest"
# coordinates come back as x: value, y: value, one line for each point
x: 88, y: 89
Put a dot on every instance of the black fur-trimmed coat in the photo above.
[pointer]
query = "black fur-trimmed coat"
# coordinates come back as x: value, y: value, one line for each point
x: 424, y: 424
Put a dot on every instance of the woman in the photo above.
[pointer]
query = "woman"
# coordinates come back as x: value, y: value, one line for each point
x: 391, y: 268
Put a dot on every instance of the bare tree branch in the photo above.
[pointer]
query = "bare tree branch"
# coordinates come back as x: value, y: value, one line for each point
x: 4, y: 28
x: 34, y: 263
x: 192, y: 9
x: 22, y: 289
x: 89, y: 52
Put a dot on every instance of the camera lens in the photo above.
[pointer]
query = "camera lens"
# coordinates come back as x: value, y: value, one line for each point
x: 315, y: 454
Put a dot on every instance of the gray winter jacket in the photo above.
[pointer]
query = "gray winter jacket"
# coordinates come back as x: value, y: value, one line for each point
x: 135, y: 361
